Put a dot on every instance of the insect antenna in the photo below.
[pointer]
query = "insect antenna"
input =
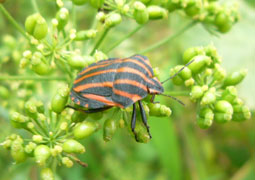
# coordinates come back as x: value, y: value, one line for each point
x: 174, y: 98
x: 177, y: 72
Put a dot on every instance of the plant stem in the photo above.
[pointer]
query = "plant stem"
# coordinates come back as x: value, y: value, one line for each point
x: 12, y: 21
x: 35, y: 6
x: 168, y: 39
x: 177, y: 93
x: 123, y: 38
x: 35, y: 78
x: 100, y: 40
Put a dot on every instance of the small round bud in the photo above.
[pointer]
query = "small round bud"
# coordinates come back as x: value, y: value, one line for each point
x: 84, y: 35
x: 29, y: 148
x: 77, y: 61
x: 67, y: 162
x: 27, y: 54
x: 100, y: 16
x: 205, y: 118
x: 37, y: 138
x: 112, y: 20
x: 99, y: 55
x: 85, y: 129
x: 157, y: 12
x: 109, y: 129
x: 208, y: 98
x: 38, y: 64
x: 47, y: 174
x: 62, y: 18
x: 36, y: 26
x: 190, y: 53
x: 219, y: 73
x: 199, y: 63
x: 72, y: 146
x: 241, y: 113
x: 6, y: 144
x: 140, y: 13
x: 59, y: 101
x: 235, y: 77
x: 196, y: 92
x: 41, y: 154
x: 17, y: 151
x: 223, y: 111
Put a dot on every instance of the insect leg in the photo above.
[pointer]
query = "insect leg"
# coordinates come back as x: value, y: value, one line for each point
x: 153, y: 98
x: 144, y: 118
x: 89, y: 110
x: 133, y: 121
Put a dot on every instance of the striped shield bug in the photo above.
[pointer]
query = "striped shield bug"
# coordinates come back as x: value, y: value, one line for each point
x: 116, y: 82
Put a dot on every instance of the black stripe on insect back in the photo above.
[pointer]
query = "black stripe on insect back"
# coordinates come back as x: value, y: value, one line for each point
x: 142, y: 59
x: 131, y: 89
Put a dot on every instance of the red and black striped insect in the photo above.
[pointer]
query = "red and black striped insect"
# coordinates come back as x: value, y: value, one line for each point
x: 116, y: 82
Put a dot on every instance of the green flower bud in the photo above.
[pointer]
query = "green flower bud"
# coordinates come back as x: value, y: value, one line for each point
x: 157, y: 12
x: 31, y: 109
x: 62, y: 18
x: 29, y: 148
x: 172, y: 5
x: 7, y: 144
x: 41, y: 154
x: 223, y: 111
x: 159, y: 110
x: 205, y: 118
x: 47, y: 174
x: 59, y: 101
x: 189, y: 82
x: 196, y: 92
x: 96, y: 3
x: 77, y: 61
x: 193, y: 8
x: 199, y: 63
x: 100, y: 16
x: 37, y: 138
x: 36, y: 26
x: 140, y: 13
x: 192, y: 52
x: 219, y: 73
x: 85, y: 35
x: 79, y: 2
x: 156, y: 72
x: 18, y: 120
x: 38, y: 64
x: 177, y: 80
x: 67, y: 162
x: 109, y: 129
x: 85, y: 129
x: 72, y: 146
x: 78, y: 116
x: 142, y: 134
x: 235, y: 77
x: 241, y: 113
x: 229, y: 94
x: 209, y: 97
x: 56, y: 150
x: 23, y: 62
x: 17, y: 151
x: 224, y: 22
x: 99, y: 55
x: 112, y: 20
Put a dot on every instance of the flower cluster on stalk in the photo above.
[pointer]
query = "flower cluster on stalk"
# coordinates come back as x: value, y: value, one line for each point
x: 211, y: 88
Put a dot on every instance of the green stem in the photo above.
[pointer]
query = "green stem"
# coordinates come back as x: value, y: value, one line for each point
x: 35, y: 78
x: 177, y: 93
x: 35, y: 6
x: 123, y: 39
x: 12, y: 21
x: 100, y: 40
x: 168, y: 39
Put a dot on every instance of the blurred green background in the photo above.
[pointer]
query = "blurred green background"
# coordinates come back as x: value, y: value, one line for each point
x: 179, y: 149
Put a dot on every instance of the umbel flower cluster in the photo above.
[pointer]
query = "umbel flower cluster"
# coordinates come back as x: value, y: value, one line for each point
x: 211, y: 88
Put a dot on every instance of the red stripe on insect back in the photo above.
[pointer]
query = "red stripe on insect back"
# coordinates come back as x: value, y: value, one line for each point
x: 92, y: 85
x: 145, y: 60
x: 102, y: 99
x: 120, y: 70
x: 115, y: 62
x: 134, y: 97
x: 131, y: 82
x: 134, y: 71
